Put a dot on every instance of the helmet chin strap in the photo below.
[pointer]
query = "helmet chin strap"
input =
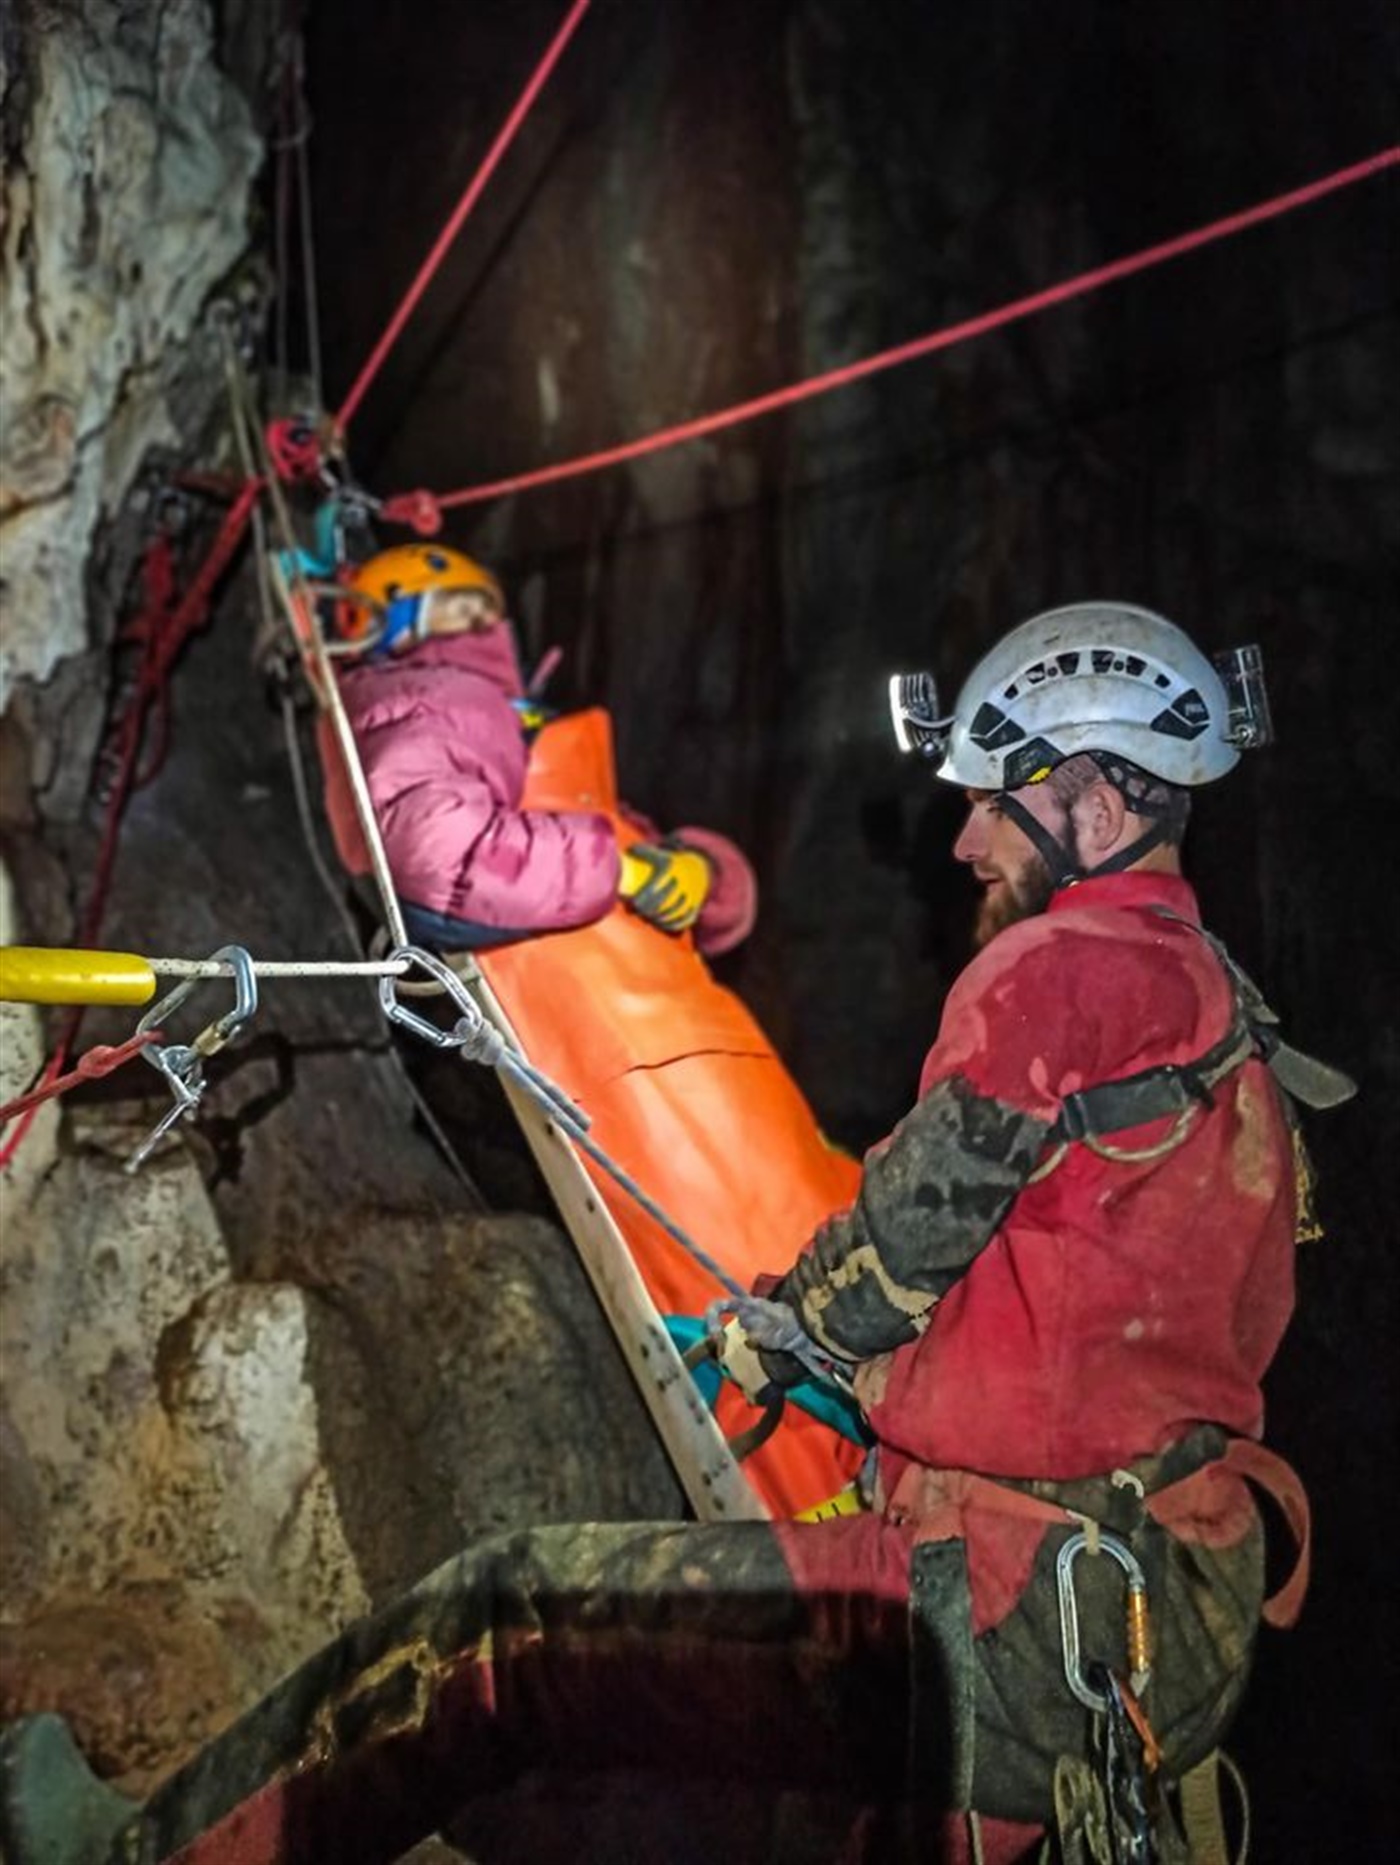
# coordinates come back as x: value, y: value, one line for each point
x: 1062, y: 858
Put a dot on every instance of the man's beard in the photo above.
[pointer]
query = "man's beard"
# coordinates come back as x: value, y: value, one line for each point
x: 1019, y: 897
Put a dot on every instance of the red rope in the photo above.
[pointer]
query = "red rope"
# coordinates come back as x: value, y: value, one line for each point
x: 944, y: 339
x: 163, y: 632
x: 167, y: 634
x: 468, y: 201
x: 101, y: 1059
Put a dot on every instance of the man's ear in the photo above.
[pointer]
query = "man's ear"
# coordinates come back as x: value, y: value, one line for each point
x: 1099, y: 816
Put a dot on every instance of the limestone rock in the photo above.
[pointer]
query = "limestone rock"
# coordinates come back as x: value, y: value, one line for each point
x: 469, y: 1381
x: 23, y: 1517
x: 21, y: 1057
x: 122, y: 207
x: 181, y: 1544
x: 141, y: 1678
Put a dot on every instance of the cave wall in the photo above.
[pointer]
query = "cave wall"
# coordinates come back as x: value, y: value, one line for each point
x: 289, y: 1366
x: 723, y: 199
x: 709, y: 200
x: 129, y: 157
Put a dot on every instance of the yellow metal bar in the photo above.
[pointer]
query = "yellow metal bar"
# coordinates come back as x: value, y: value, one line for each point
x: 32, y: 974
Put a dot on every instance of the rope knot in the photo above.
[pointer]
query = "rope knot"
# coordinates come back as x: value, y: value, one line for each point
x: 479, y: 1041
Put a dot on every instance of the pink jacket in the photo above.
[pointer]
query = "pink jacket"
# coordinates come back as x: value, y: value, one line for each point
x: 445, y: 760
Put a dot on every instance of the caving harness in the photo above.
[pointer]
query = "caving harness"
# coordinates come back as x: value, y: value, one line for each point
x: 1114, y: 1807
x: 1183, y: 1090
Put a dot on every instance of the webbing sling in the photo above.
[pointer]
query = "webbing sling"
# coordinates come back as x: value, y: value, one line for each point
x: 1201, y: 1812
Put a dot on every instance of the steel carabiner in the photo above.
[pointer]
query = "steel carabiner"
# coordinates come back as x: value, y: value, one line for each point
x: 1138, y: 1628
x: 182, y: 1064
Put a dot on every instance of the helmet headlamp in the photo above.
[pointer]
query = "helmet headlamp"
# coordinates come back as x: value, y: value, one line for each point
x: 1249, y: 723
x: 915, y: 717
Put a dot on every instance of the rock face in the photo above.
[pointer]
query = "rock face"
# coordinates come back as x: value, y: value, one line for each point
x: 21, y: 1056
x: 239, y: 1402
x: 176, y: 1539
x: 129, y: 158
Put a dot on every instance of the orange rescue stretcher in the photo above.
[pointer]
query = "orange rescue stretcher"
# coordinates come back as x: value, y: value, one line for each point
x: 688, y: 1096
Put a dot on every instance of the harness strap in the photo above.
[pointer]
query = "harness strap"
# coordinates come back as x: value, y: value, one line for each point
x: 1115, y: 1501
x: 1175, y: 1087
x: 1181, y: 1502
x: 1201, y: 1813
x: 1177, y: 1505
x: 1305, y: 1078
x: 1153, y: 1093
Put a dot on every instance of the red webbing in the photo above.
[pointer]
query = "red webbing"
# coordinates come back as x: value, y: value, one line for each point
x: 1079, y: 286
x: 459, y: 214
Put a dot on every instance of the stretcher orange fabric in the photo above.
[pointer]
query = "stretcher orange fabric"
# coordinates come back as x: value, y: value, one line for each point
x: 686, y: 1093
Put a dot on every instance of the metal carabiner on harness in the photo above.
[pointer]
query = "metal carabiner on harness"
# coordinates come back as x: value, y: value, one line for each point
x: 1139, y: 1633
x: 182, y: 1064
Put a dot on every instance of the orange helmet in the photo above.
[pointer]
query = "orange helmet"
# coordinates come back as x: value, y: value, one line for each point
x: 391, y: 588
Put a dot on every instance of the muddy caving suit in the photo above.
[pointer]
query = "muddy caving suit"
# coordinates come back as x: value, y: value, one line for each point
x: 1046, y: 1323
x: 1081, y: 1305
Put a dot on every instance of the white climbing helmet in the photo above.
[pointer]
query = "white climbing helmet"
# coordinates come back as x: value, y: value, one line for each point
x: 1095, y: 676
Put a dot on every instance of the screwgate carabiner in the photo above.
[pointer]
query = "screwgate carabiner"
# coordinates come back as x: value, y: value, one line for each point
x: 182, y: 1064
x: 1139, y: 1637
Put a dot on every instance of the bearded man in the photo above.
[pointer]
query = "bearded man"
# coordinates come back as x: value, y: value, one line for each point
x: 1070, y: 1265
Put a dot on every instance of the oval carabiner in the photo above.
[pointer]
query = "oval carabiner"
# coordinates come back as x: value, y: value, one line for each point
x: 398, y: 1012
x: 223, y: 1029
x: 245, y: 1001
x: 182, y: 1064
x: 1139, y: 1654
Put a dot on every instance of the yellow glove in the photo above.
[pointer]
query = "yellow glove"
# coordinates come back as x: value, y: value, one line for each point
x: 666, y: 882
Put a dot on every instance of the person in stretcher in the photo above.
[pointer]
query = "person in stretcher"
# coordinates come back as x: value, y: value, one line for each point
x: 442, y: 719
x: 501, y: 827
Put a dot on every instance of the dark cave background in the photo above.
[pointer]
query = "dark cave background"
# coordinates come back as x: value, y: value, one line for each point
x: 713, y: 199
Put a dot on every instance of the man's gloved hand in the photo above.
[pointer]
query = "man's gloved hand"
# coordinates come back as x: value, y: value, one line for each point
x: 749, y: 1345
x: 741, y: 1361
x: 666, y: 882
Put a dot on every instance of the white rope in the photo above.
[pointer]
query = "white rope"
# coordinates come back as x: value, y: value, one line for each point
x: 327, y: 688
x: 338, y: 905
x: 281, y: 967
x: 359, y: 788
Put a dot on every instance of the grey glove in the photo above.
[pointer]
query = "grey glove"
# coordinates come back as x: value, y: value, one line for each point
x: 758, y: 1342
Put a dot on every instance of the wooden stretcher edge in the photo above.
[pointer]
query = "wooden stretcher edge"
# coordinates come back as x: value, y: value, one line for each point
x: 712, y: 1478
